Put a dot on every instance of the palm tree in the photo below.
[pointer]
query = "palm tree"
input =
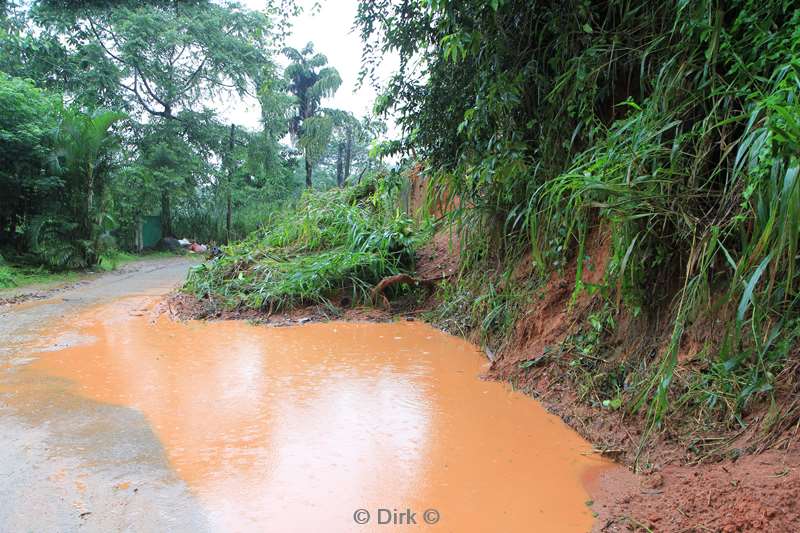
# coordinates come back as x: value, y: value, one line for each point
x: 310, y: 80
x: 83, y: 147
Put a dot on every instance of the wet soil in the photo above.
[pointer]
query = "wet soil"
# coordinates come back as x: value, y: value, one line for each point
x: 720, y: 485
x: 182, y: 306
x: 754, y: 493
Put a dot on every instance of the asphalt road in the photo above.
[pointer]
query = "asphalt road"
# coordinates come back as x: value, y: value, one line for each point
x: 68, y: 463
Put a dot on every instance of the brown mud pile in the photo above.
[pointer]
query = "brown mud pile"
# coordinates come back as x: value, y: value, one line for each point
x: 182, y: 306
x: 755, y: 493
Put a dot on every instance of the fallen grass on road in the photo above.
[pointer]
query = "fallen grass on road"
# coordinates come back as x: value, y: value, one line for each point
x: 334, y: 243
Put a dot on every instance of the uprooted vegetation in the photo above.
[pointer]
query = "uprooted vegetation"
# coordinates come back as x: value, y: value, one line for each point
x: 332, y: 245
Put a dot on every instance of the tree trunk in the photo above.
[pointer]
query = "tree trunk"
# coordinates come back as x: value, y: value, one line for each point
x: 138, y: 237
x: 348, y: 154
x: 228, y: 215
x: 309, y: 184
x: 228, y: 220
x: 9, y: 236
x: 339, y: 166
x: 387, y: 282
x: 87, y: 221
x: 166, y: 218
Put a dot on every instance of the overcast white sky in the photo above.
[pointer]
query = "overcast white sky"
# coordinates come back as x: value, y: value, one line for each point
x: 331, y: 31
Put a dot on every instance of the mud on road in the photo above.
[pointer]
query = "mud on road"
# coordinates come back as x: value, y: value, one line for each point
x: 69, y: 463
x: 116, y: 418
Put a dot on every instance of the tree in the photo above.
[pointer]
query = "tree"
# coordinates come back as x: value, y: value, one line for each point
x: 27, y: 179
x: 164, y: 63
x: 162, y: 59
x: 349, y: 151
x: 310, y: 80
x: 84, y: 151
x: 345, y: 126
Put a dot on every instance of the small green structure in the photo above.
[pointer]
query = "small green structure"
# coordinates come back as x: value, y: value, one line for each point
x: 151, y: 230
x: 148, y: 231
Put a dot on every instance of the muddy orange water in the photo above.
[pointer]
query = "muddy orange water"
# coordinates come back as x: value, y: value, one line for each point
x: 296, y: 429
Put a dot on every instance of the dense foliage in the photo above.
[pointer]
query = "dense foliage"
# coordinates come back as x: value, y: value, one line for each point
x: 673, y: 125
x: 333, y: 244
x: 110, y: 115
x: 27, y: 120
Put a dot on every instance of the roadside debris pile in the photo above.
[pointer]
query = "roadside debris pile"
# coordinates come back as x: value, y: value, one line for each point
x: 334, y: 245
x: 172, y: 244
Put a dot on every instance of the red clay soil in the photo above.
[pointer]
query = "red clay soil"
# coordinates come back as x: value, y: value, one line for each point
x: 181, y: 306
x: 438, y: 257
x: 754, y: 493
x: 550, y: 317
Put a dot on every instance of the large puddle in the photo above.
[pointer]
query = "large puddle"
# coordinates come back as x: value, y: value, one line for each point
x: 296, y: 429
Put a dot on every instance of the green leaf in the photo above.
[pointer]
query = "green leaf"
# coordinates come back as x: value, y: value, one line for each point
x: 747, y: 295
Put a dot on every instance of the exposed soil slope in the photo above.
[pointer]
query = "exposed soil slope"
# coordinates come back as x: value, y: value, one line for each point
x: 675, y: 490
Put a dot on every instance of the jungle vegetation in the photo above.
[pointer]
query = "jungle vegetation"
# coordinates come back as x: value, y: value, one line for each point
x: 108, y: 114
x: 672, y: 126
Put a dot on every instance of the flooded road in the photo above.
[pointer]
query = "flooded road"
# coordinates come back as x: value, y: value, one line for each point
x: 234, y: 427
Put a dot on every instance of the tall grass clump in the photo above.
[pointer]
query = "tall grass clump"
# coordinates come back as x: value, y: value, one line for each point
x: 673, y: 126
x: 333, y: 243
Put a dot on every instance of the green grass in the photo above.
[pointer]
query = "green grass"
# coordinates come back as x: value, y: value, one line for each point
x: 17, y: 276
x: 338, y: 242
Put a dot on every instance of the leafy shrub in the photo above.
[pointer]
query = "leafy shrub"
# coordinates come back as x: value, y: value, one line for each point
x: 7, y: 278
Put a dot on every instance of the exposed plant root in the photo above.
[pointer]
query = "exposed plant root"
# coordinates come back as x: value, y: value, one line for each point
x: 385, y: 283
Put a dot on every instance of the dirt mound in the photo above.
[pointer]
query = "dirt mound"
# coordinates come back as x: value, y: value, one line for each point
x: 182, y: 306
x: 437, y: 260
x: 754, y: 493
x: 439, y: 257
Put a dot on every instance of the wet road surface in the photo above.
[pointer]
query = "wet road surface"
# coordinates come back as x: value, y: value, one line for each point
x: 120, y: 421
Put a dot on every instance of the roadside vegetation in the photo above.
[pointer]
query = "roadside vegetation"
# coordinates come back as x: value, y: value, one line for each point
x: 108, y: 118
x: 331, y: 245
x: 12, y: 277
x: 671, y: 127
